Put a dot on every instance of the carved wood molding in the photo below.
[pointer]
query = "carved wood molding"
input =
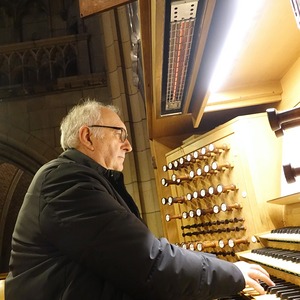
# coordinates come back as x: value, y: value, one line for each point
x: 89, y: 7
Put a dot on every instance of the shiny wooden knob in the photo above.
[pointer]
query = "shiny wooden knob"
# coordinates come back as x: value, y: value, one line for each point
x: 233, y: 242
x: 169, y: 217
x: 276, y: 119
x: 217, y: 149
x: 166, y: 182
x: 223, y: 189
x: 225, y: 207
x: 290, y: 173
x: 172, y: 200
x: 215, y: 167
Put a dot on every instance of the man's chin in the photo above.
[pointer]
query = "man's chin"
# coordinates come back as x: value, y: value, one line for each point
x: 119, y: 168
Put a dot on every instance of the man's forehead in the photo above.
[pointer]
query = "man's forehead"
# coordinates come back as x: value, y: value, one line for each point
x: 107, y: 113
x: 110, y: 117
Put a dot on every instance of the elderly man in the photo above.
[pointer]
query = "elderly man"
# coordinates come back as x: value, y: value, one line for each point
x: 79, y: 235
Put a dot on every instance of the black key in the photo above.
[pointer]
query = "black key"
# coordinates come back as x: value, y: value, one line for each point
x: 285, y: 290
x: 293, y: 292
x: 280, y: 287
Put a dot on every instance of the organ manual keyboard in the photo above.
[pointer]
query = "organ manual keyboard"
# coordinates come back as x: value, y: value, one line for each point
x: 286, y: 234
x: 281, y: 258
x: 282, y: 290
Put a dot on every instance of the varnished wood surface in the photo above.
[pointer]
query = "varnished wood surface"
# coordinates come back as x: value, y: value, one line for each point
x: 90, y: 7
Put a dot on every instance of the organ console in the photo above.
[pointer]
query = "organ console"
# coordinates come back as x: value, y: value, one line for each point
x: 280, y: 251
x: 228, y: 211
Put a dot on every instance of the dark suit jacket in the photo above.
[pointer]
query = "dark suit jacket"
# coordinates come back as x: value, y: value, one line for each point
x: 79, y: 236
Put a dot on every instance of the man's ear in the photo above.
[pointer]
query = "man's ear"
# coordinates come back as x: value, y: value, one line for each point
x: 85, y: 137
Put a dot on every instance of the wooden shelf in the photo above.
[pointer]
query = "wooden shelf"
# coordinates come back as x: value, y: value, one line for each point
x: 286, y: 200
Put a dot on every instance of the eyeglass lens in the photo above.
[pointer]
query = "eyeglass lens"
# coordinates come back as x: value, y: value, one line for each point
x: 124, y: 135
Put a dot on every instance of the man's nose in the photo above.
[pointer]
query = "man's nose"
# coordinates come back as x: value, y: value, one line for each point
x: 127, y: 146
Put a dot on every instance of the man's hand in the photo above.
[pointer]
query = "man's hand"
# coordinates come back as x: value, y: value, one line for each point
x: 252, y: 274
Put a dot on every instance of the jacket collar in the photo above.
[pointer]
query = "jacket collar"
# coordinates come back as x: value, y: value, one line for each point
x: 79, y: 157
x: 115, y: 178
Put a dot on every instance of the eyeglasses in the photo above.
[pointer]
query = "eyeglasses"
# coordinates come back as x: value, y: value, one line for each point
x: 123, y: 135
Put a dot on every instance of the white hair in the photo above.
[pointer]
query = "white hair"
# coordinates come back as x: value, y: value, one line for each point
x: 85, y: 113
